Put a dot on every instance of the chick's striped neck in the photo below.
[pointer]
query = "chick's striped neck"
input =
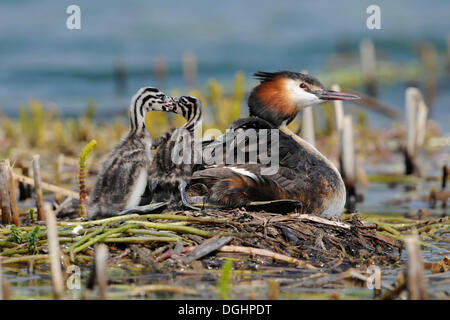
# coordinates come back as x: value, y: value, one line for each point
x: 138, y: 110
x: 192, y: 112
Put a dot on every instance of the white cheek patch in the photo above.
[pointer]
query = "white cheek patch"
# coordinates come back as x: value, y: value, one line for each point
x: 300, y: 97
x: 306, y: 99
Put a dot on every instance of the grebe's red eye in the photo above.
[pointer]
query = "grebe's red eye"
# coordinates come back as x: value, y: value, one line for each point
x: 302, y: 85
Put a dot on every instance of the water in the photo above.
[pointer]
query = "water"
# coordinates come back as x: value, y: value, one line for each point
x: 40, y: 58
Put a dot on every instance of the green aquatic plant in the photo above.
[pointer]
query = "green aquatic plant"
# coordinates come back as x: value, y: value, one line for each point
x: 59, y: 134
x: 32, y: 239
x: 214, y: 97
x: 82, y: 176
x: 15, y: 236
x: 31, y: 215
x: 36, y: 124
x: 238, y: 96
x: 223, y: 285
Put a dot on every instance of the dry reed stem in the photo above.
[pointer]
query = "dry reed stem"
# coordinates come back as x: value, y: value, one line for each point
x: 54, y: 253
x: 416, y: 280
x: 47, y: 186
x: 308, y: 126
x: 37, y: 187
x: 267, y: 253
x: 13, y: 198
x: 101, y: 256
x: 1, y: 280
x: 162, y: 288
x: 323, y: 221
x: 4, y: 192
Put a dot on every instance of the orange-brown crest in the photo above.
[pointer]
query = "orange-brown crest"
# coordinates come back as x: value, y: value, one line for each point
x: 273, y: 95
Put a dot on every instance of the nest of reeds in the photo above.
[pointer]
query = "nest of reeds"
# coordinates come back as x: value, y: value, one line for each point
x: 294, y: 239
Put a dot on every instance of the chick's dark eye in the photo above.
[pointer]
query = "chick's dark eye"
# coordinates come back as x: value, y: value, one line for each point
x: 303, y: 86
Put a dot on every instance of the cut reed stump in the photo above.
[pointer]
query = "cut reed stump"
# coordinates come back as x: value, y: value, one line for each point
x: 308, y: 126
x: 416, y: 119
x: 4, y: 192
x: 54, y: 253
x: 37, y: 187
x: 415, y: 274
x: 13, y: 197
x: 101, y: 257
x: 347, y: 161
x: 368, y: 65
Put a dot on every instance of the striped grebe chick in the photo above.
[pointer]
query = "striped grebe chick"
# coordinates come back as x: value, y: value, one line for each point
x: 123, y: 176
x: 174, y: 159
x: 304, y: 174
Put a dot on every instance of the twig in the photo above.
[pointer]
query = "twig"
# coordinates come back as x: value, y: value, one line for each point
x: 4, y: 192
x: 103, y: 236
x: 425, y: 223
x: 4, y: 287
x: 54, y: 253
x: 1, y: 280
x: 205, y: 248
x: 141, y: 239
x: 88, y: 236
x: 35, y: 257
x: 386, y: 227
x: 169, y: 253
x: 322, y: 221
x: 13, y: 198
x: 47, y: 186
x: 172, y: 227
x: 101, y: 256
x: 161, y: 288
x: 416, y: 281
x: 186, y: 218
x: 97, y: 222
x: 154, y: 233
x: 37, y: 187
x: 267, y: 253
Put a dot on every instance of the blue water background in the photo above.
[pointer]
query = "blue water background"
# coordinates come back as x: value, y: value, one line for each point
x: 40, y: 58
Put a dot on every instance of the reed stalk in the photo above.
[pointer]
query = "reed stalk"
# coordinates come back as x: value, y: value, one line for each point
x: 101, y: 257
x: 38, y: 188
x: 103, y: 236
x: 54, y: 253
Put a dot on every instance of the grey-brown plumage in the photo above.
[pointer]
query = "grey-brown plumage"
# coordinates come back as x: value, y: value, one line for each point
x: 174, y: 159
x: 302, y: 174
x: 123, y: 176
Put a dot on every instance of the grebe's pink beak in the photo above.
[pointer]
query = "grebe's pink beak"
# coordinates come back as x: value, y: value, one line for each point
x: 334, y: 95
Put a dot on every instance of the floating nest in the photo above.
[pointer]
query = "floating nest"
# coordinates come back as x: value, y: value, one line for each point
x: 302, y: 240
x: 164, y: 241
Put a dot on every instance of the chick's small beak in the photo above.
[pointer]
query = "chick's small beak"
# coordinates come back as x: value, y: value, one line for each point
x: 335, y: 95
x: 169, y: 102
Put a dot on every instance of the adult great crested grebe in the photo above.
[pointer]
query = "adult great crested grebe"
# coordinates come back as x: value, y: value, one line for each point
x: 303, y: 174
